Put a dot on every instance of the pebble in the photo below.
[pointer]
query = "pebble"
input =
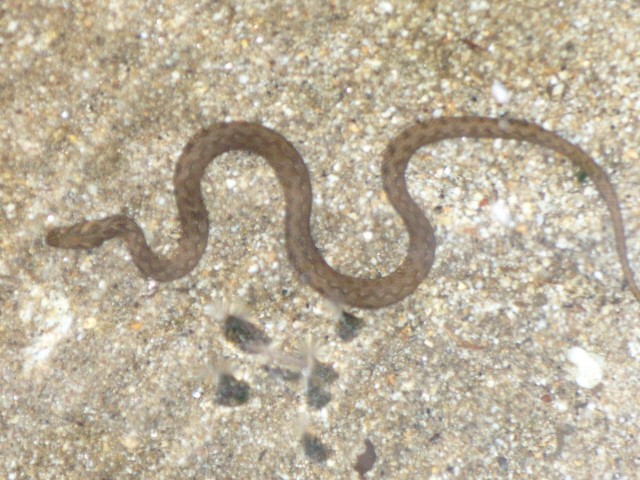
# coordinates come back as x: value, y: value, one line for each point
x: 588, y: 367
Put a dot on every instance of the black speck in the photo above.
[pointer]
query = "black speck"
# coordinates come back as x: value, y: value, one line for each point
x: 325, y: 373
x: 314, y: 449
x: 348, y: 326
x: 244, y: 333
x: 231, y: 392
x: 283, y: 373
x: 582, y: 176
x: 317, y: 397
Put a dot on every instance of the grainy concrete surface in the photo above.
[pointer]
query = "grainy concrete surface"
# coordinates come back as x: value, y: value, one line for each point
x: 103, y: 375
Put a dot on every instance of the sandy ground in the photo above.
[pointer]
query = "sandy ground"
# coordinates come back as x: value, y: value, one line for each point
x: 105, y: 375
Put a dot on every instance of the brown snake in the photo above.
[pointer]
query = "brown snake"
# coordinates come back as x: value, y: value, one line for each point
x: 294, y: 178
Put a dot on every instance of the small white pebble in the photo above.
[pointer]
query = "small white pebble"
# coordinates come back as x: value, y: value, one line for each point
x: 230, y: 183
x: 9, y: 210
x: 389, y: 112
x: 385, y: 8
x: 500, y: 213
x: 561, y: 405
x: 634, y: 349
x: 288, y: 111
x: 368, y: 236
x: 333, y: 179
x: 253, y: 269
x: 89, y: 323
x: 500, y: 93
x: 563, y: 243
x: 479, y: 6
x: 527, y: 209
x: 557, y: 90
x: 588, y: 367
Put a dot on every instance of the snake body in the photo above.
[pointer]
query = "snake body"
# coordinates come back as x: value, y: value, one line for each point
x: 294, y: 179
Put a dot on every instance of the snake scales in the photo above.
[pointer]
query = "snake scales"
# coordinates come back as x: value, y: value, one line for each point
x: 293, y: 176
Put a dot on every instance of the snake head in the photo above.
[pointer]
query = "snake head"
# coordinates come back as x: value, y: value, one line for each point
x: 73, y: 237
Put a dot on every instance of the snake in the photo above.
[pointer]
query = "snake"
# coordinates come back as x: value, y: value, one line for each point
x: 293, y: 176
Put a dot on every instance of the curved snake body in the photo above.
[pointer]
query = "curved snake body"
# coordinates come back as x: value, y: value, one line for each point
x: 293, y: 176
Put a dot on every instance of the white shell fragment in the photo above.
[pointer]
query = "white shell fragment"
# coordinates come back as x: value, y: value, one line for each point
x: 500, y: 93
x: 588, y: 367
x: 500, y: 213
